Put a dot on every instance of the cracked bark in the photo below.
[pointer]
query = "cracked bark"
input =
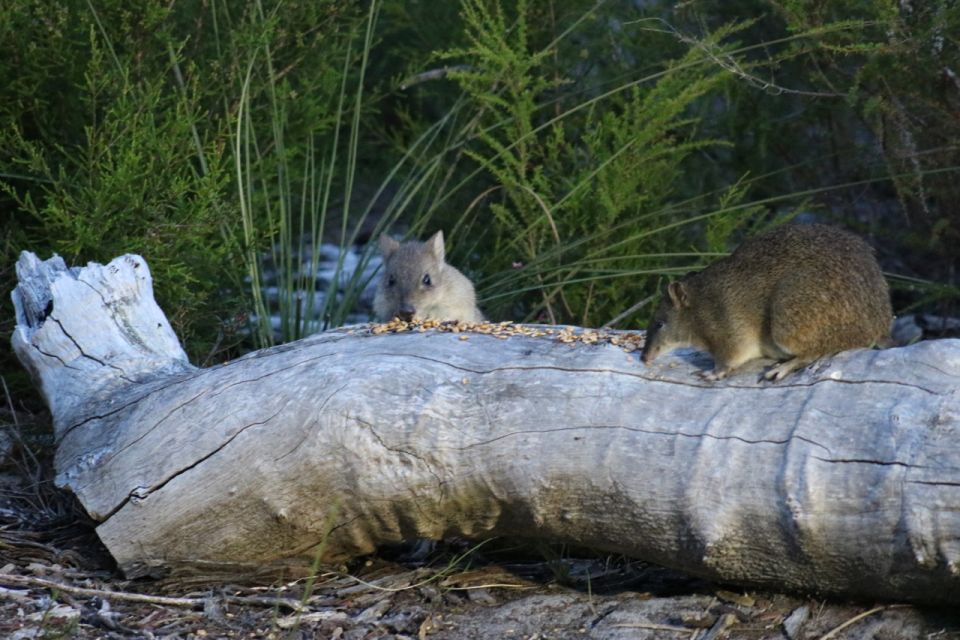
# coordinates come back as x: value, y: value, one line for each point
x: 843, y: 479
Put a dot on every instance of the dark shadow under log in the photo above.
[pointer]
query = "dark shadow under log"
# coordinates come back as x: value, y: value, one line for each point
x: 844, y: 479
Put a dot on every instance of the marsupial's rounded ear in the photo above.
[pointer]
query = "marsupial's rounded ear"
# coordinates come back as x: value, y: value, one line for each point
x: 436, y: 246
x: 678, y: 293
x: 388, y: 245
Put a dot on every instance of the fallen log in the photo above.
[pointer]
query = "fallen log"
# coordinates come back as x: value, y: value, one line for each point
x: 843, y: 479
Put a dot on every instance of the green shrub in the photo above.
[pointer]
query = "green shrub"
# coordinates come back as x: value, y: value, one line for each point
x: 906, y: 88
x: 860, y: 94
x: 116, y: 134
x: 576, y: 153
x: 584, y: 177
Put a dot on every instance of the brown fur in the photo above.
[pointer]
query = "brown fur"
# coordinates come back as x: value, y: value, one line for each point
x: 794, y: 294
x: 418, y: 284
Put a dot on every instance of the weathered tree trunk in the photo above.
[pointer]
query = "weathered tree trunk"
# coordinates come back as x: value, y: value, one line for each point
x: 843, y: 479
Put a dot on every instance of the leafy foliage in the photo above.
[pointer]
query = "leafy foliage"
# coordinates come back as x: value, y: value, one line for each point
x: 906, y: 88
x: 581, y: 212
x: 142, y: 159
x: 576, y: 153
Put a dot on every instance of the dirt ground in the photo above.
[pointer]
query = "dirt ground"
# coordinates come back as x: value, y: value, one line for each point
x: 58, y: 581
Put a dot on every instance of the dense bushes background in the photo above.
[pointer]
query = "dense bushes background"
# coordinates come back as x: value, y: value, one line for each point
x: 576, y: 152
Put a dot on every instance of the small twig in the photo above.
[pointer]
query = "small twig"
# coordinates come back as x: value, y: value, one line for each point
x: 857, y: 618
x: 266, y: 601
x: 100, y: 593
x: 652, y: 626
x: 127, y: 596
x: 493, y: 585
x: 406, y: 587
x: 731, y: 65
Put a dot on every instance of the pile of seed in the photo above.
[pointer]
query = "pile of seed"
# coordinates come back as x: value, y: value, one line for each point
x: 503, y: 330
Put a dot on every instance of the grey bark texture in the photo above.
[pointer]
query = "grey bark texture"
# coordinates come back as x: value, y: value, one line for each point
x: 843, y: 479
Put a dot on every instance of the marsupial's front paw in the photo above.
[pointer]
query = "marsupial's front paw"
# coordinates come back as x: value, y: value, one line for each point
x: 714, y: 374
x: 783, y: 369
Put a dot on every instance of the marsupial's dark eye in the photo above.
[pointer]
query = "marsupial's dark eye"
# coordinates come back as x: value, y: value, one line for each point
x: 658, y: 324
x: 426, y: 280
x: 391, y: 281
